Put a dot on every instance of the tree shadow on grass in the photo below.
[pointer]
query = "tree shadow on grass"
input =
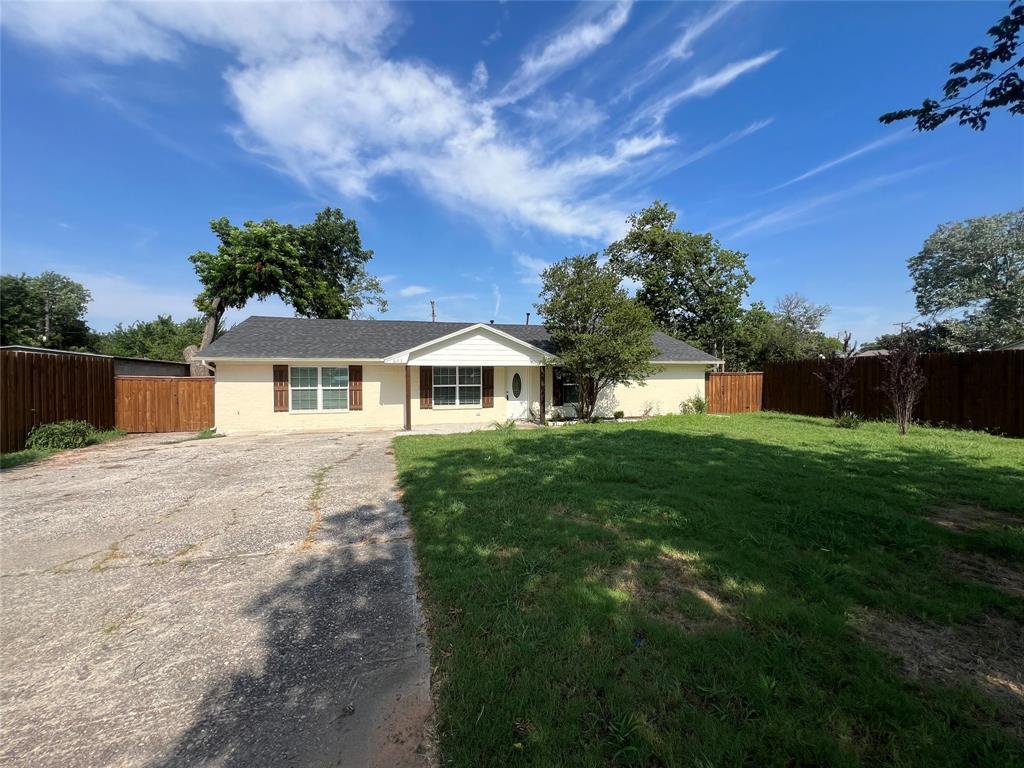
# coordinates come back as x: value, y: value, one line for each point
x: 340, y: 644
x: 525, y: 545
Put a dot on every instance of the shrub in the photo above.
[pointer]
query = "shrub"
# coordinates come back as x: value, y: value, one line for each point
x: 620, y: 414
x: 506, y: 429
x: 694, y: 404
x: 60, y: 435
x: 848, y: 420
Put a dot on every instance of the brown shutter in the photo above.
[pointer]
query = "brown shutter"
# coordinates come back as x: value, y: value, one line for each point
x: 355, y: 387
x: 426, y: 387
x: 488, y: 385
x: 556, y: 386
x: 280, y: 388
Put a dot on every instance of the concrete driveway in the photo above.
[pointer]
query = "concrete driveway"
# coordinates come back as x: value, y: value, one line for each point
x: 241, y: 601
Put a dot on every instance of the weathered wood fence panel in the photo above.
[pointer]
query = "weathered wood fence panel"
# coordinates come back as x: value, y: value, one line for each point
x: 734, y: 392
x: 42, y: 387
x: 163, y: 404
x: 973, y: 390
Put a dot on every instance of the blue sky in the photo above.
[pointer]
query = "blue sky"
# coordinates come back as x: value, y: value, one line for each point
x: 474, y: 143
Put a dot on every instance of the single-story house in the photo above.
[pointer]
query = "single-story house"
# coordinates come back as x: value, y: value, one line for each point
x: 289, y: 374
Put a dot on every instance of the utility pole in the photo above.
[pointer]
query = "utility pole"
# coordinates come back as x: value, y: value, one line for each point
x: 433, y: 311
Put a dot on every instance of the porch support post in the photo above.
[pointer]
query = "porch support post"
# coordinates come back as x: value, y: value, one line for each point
x: 543, y: 396
x: 408, y: 400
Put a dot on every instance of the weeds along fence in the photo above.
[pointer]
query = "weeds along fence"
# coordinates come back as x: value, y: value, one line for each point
x: 972, y: 390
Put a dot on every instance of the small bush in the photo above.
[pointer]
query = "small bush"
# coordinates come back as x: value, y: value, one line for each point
x: 694, y: 404
x: 60, y: 435
x: 620, y: 414
x: 506, y: 429
x: 848, y: 420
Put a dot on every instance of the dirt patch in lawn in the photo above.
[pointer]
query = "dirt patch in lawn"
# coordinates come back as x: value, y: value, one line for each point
x: 679, y: 594
x: 977, y: 567
x: 966, y: 517
x: 984, y: 655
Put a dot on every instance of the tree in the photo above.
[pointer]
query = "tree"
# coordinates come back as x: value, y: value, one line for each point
x: 790, y: 332
x: 904, y: 380
x: 45, y: 311
x: 976, y: 268
x: 603, y: 336
x: 692, y: 285
x: 160, y: 339
x: 837, y: 375
x: 927, y: 337
x: 973, y: 78
x: 318, y: 268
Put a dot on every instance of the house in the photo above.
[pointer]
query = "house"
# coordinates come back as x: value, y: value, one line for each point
x: 295, y: 374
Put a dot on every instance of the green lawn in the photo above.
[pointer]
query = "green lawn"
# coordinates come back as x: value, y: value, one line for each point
x: 28, y: 455
x: 713, y: 591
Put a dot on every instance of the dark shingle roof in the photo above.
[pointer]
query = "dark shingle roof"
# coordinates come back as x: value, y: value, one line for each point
x: 297, y: 337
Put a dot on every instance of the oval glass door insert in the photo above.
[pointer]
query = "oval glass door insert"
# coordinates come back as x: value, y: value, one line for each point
x: 517, y: 385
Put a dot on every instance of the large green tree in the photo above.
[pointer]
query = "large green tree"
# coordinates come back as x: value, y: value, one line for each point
x: 989, y: 78
x: 46, y: 310
x: 160, y: 339
x: 693, y: 286
x: 791, y: 332
x: 318, y: 268
x: 603, y: 335
x: 974, y: 269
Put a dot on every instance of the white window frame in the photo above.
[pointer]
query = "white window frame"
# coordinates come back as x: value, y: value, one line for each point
x: 319, y: 389
x: 458, y: 385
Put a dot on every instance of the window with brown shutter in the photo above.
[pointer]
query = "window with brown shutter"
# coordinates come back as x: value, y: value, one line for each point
x: 426, y: 387
x: 355, y: 387
x: 280, y: 388
x: 488, y: 384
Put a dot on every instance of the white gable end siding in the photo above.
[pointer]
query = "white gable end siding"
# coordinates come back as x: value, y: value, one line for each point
x: 479, y: 348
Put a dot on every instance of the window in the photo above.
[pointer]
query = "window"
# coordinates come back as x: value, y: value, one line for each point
x: 319, y: 389
x: 570, y: 387
x: 457, y: 385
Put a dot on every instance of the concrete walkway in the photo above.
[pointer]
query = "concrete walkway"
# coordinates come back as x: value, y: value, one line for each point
x: 240, y: 601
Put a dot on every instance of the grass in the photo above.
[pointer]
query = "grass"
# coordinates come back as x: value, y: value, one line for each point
x: 28, y: 455
x: 685, y: 591
x: 207, y: 433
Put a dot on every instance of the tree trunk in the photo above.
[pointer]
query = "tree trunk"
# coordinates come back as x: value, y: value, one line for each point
x: 212, y: 321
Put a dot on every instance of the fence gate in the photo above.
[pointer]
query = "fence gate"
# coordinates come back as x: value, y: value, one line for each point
x: 163, y: 403
x: 734, y: 392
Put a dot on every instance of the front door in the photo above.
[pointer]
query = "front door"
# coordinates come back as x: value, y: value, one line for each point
x: 515, y: 392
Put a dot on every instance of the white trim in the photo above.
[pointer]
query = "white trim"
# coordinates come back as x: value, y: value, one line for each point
x: 403, y: 356
x: 290, y: 360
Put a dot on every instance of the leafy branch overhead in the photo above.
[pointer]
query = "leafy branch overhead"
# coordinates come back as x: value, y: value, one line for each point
x: 989, y: 78
x: 318, y: 268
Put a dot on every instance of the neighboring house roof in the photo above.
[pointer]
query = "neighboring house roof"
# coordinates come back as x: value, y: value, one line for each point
x: 283, y: 338
x: 872, y: 353
x: 1012, y: 345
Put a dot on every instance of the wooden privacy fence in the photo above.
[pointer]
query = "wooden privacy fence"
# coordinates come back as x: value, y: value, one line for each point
x: 163, y: 404
x: 733, y: 392
x: 42, y: 387
x: 973, y: 390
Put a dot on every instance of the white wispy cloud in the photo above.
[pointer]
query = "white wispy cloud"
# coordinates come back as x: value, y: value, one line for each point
x: 706, y: 85
x: 529, y: 268
x: 496, y: 292
x: 863, y: 150
x: 320, y: 96
x: 568, y: 47
x: 412, y: 290
x: 117, y: 298
x: 682, y: 47
x: 801, y: 211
